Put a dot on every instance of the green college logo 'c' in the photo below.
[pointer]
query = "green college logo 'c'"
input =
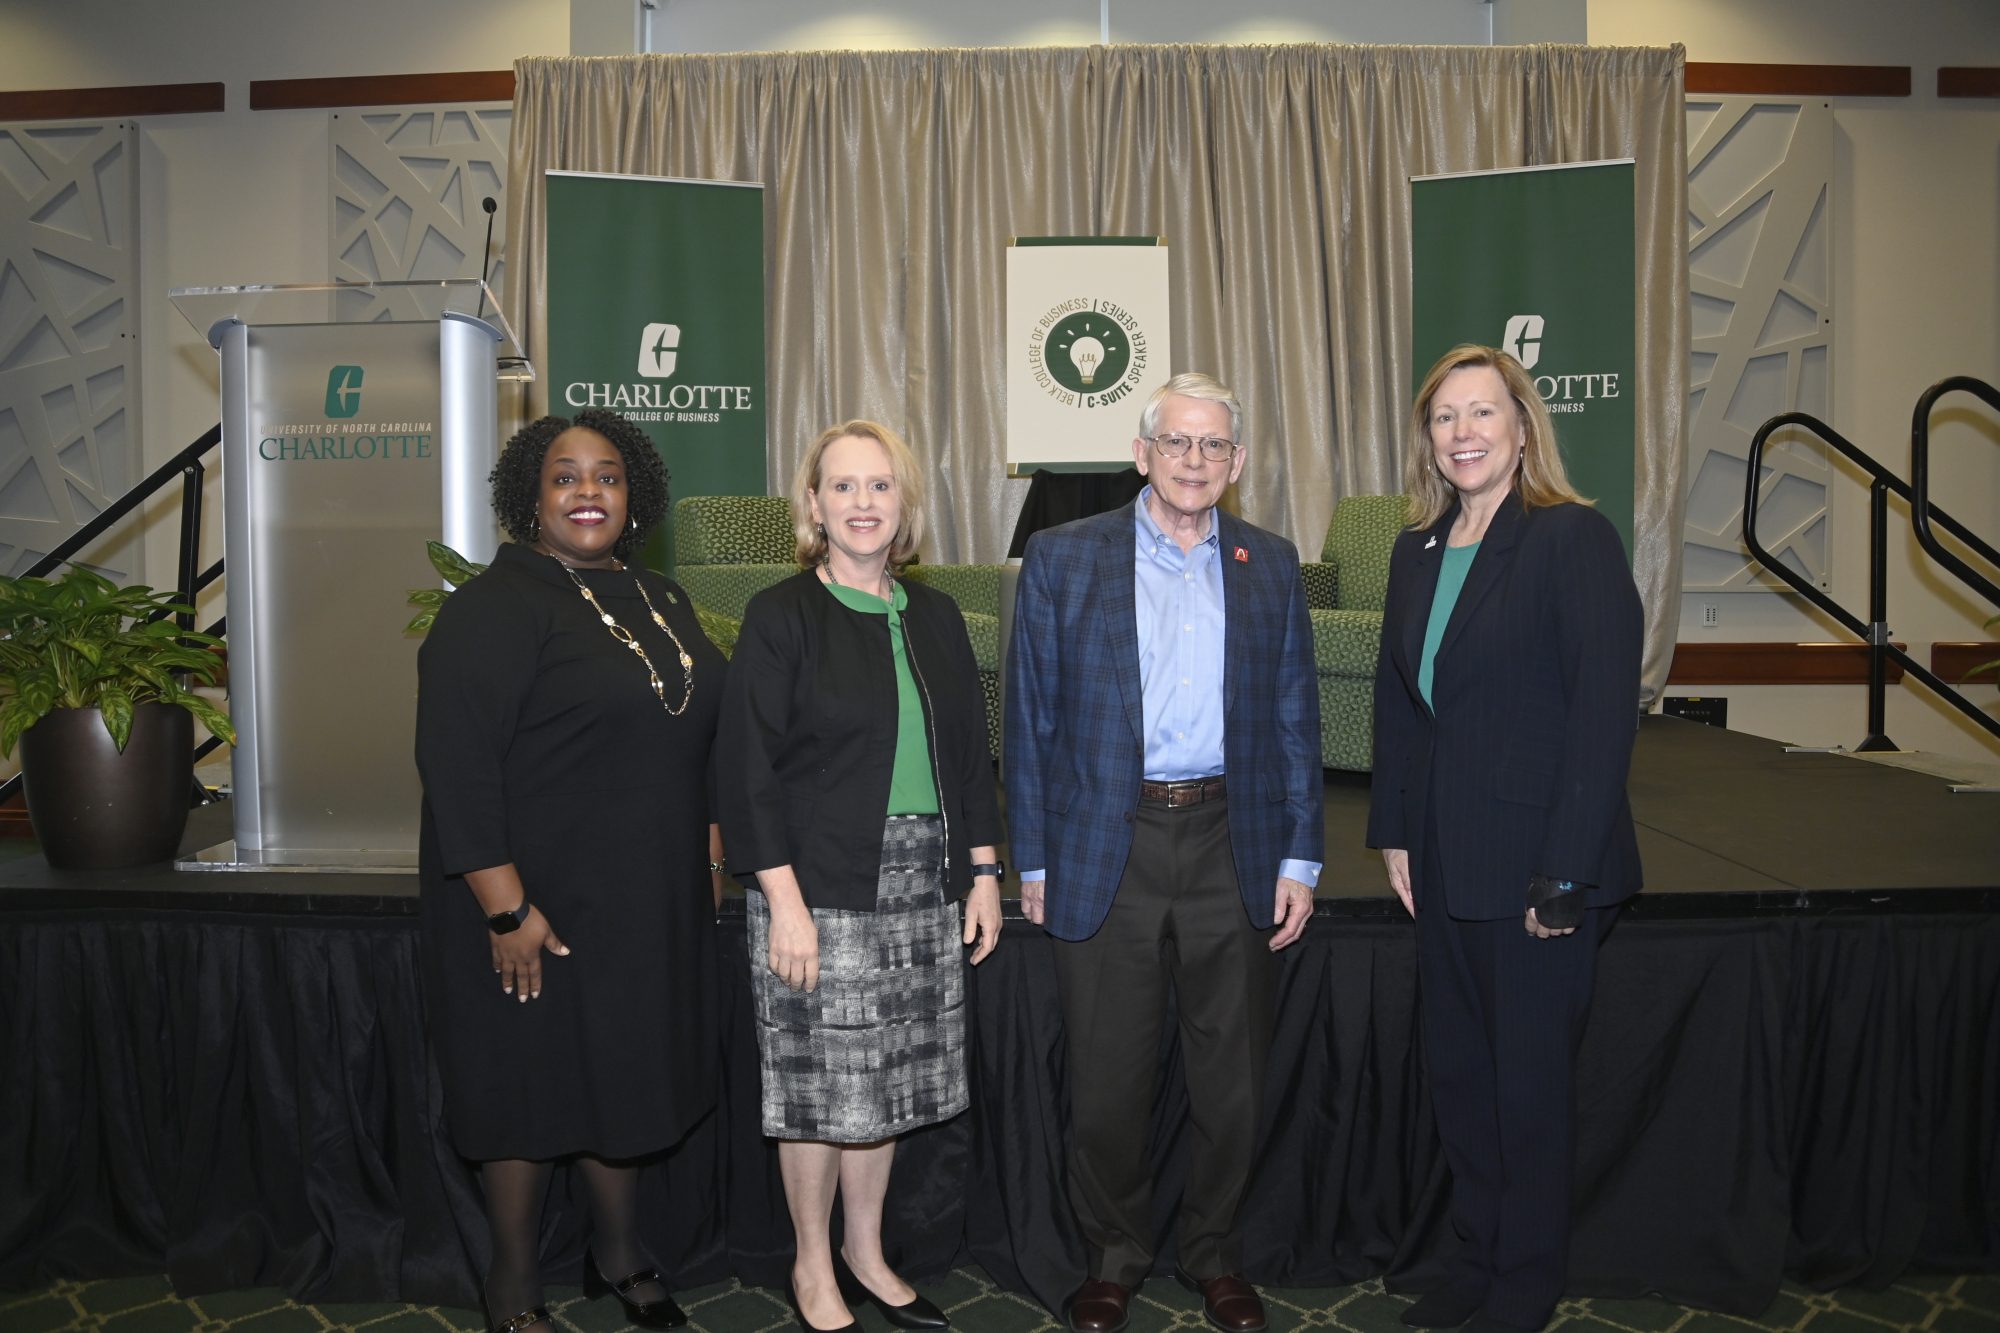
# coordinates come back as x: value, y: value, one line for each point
x: 343, y: 391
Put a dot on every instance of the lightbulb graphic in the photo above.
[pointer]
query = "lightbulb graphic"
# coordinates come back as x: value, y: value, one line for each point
x: 1086, y: 353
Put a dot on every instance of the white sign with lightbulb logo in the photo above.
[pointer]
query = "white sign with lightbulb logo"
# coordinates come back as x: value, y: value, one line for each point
x: 1088, y: 337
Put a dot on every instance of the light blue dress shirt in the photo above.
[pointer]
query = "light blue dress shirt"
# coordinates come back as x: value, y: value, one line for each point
x: 1179, y: 610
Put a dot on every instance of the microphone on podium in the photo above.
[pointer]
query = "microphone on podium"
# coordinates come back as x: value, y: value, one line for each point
x: 486, y: 260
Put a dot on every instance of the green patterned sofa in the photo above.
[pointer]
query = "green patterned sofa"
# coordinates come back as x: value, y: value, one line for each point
x: 728, y: 548
x: 1346, y: 591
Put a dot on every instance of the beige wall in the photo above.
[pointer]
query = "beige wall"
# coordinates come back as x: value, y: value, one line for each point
x: 1916, y: 214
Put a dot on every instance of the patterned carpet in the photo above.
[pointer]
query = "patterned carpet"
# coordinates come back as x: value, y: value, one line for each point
x: 148, y: 1305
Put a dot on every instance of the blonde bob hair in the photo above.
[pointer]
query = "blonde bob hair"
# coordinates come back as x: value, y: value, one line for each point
x: 1539, y: 479
x: 810, y: 539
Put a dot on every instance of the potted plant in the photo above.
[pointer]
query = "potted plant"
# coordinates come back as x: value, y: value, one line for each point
x: 94, y: 686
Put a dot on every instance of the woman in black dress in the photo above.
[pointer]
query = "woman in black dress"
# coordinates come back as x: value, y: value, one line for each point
x: 565, y: 708
x: 855, y: 782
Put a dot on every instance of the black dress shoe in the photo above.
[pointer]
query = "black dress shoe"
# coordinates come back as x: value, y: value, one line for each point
x: 917, y: 1313
x: 525, y: 1319
x: 662, y: 1313
x: 1442, y: 1309
x: 1098, y: 1306
x: 799, y: 1313
x: 1227, y: 1302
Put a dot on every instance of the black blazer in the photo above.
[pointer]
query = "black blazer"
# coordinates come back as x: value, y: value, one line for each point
x: 1520, y: 770
x: 807, y: 741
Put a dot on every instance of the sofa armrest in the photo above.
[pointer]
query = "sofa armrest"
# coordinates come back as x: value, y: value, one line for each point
x: 1346, y: 643
x: 1322, y: 584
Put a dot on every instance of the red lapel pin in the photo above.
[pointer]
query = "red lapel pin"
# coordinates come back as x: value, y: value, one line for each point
x: 1242, y: 556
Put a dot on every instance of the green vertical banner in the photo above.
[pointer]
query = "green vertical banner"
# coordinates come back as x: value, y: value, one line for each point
x: 656, y: 311
x: 1539, y: 262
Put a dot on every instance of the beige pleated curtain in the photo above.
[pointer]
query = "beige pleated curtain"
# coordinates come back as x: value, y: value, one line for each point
x: 1279, y: 176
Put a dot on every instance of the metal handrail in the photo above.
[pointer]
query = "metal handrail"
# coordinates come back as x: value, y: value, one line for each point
x: 187, y: 464
x: 1921, y: 510
x: 1875, y: 630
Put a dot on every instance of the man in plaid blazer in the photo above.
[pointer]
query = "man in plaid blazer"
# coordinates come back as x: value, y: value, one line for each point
x: 1164, y: 803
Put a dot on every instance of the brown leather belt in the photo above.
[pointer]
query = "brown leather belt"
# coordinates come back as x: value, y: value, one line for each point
x: 1175, y: 795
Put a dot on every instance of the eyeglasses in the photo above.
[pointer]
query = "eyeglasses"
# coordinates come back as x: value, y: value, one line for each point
x: 1213, y: 449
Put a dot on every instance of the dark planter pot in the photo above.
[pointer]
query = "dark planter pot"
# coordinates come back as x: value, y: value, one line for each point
x: 96, y: 809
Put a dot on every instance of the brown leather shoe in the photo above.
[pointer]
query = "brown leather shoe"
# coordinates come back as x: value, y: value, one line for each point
x: 1229, y: 1302
x: 1099, y: 1306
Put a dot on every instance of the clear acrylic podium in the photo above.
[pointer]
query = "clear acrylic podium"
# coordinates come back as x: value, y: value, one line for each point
x: 358, y: 423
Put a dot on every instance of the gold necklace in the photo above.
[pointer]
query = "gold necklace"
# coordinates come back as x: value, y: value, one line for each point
x: 624, y: 636
x: 887, y: 582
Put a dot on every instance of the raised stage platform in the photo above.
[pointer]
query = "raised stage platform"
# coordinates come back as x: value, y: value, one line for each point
x: 1793, y: 1068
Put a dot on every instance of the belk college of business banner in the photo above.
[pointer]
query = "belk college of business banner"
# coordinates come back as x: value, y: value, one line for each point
x: 1539, y: 262
x: 1088, y: 337
x: 656, y: 311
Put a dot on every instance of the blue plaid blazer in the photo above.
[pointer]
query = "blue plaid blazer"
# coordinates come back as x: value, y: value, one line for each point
x: 1074, y: 740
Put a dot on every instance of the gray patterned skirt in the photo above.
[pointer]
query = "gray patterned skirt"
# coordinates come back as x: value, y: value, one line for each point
x: 878, y: 1049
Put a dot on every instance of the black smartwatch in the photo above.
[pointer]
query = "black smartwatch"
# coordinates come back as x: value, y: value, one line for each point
x: 997, y: 869
x: 503, y: 923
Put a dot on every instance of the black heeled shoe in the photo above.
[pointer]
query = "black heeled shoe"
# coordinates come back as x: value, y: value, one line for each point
x: 799, y: 1312
x: 662, y: 1313
x: 523, y: 1320
x: 917, y: 1313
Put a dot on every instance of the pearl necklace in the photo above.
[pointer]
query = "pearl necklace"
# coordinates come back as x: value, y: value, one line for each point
x: 624, y: 636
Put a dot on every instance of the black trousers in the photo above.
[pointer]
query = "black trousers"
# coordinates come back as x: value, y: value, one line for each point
x: 1502, y: 1016
x: 1178, y: 921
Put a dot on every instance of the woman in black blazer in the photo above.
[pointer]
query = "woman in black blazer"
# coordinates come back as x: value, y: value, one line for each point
x: 1506, y: 701
x: 856, y: 785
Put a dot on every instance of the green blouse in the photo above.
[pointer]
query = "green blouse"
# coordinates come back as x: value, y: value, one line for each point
x: 1451, y: 580
x: 913, y: 784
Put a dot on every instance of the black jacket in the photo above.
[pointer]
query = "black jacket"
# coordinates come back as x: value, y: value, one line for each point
x: 1520, y: 768
x: 807, y: 740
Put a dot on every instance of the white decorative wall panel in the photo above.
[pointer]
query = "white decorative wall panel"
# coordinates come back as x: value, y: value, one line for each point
x: 1760, y: 173
x: 69, y: 393
x: 406, y: 189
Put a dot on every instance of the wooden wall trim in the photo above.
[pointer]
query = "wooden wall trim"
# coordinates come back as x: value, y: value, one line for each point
x: 1799, y: 80
x: 491, y: 85
x: 1968, y: 81
x: 498, y: 86
x: 1775, y: 664
x: 152, y: 99
x: 1950, y: 661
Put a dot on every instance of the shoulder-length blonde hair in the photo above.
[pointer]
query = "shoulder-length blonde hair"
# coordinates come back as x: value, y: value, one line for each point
x: 1540, y: 478
x: 810, y: 540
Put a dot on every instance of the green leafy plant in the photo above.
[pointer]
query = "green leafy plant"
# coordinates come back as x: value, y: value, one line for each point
x: 455, y: 569
x: 82, y: 641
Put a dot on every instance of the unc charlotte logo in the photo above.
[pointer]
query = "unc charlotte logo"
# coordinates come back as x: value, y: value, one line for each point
x: 657, y: 344
x: 343, y: 391
x: 1523, y: 339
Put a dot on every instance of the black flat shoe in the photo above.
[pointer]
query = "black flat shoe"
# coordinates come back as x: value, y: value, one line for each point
x: 918, y: 1313
x: 799, y: 1313
x: 662, y: 1313
x: 525, y: 1319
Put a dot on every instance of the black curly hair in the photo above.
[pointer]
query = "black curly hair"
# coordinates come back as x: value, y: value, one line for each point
x: 517, y: 477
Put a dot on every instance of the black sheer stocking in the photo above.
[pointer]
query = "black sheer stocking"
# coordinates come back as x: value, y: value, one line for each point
x: 515, y: 1193
x: 614, y: 1218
